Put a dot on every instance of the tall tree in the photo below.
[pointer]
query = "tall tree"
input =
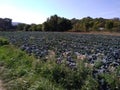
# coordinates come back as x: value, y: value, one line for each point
x: 5, y: 23
x: 55, y: 23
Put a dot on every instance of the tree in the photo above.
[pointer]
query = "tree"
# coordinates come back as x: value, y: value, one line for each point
x: 64, y: 24
x: 5, y: 23
x: 45, y: 26
x: 33, y: 27
x: 116, y: 25
x: 109, y: 25
x: 39, y: 27
x: 20, y: 26
x: 26, y: 27
x: 55, y: 23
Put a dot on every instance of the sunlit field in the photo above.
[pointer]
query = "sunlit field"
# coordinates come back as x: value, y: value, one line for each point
x: 60, y: 61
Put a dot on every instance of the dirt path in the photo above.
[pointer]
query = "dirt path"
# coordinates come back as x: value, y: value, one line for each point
x: 1, y: 86
x: 102, y: 33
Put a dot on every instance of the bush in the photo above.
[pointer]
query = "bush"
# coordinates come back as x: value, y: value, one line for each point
x: 112, y: 81
x: 90, y: 84
x: 64, y: 76
x: 3, y: 41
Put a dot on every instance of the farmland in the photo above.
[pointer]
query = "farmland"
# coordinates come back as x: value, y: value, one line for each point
x: 69, y: 61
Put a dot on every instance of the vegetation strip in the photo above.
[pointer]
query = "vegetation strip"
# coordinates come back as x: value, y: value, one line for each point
x: 60, y: 24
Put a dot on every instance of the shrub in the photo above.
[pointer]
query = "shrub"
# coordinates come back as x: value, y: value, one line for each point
x: 90, y: 84
x: 62, y: 75
x: 3, y: 41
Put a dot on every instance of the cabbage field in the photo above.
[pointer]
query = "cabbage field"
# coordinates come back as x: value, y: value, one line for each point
x: 100, y: 53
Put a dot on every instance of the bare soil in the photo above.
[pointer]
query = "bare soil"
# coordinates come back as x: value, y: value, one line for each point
x: 102, y: 33
x: 1, y: 85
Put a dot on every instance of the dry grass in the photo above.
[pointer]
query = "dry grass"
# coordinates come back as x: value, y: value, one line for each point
x: 102, y: 33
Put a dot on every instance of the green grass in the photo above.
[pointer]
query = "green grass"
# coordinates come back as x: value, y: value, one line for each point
x: 3, y: 41
x: 18, y: 71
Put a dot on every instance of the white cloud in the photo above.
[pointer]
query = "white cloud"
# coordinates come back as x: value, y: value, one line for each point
x: 20, y: 15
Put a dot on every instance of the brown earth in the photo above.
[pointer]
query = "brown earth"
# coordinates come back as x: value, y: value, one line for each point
x: 102, y: 33
x: 1, y: 85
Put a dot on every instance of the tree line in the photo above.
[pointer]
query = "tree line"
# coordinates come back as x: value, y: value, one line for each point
x: 60, y: 24
x: 5, y: 24
x: 97, y: 24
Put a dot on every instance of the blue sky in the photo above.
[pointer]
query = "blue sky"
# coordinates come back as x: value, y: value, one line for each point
x: 37, y: 11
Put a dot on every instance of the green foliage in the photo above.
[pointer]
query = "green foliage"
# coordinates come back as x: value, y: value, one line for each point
x: 98, y: 24
x: 39, y: 27
x: 21, y: 26
x: 15, y: 61
x: 112, y: 80
x: 55, y: 23
x: 98, y: 64
x: 3, y: 41
x: 5, y: 24
x: 109, y: 25
x: 63, y: 75
x: 26, y: 27
x: 22, y: 72
x: 19, y: 73
x: 32, y: 27
x: 90, y: 84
